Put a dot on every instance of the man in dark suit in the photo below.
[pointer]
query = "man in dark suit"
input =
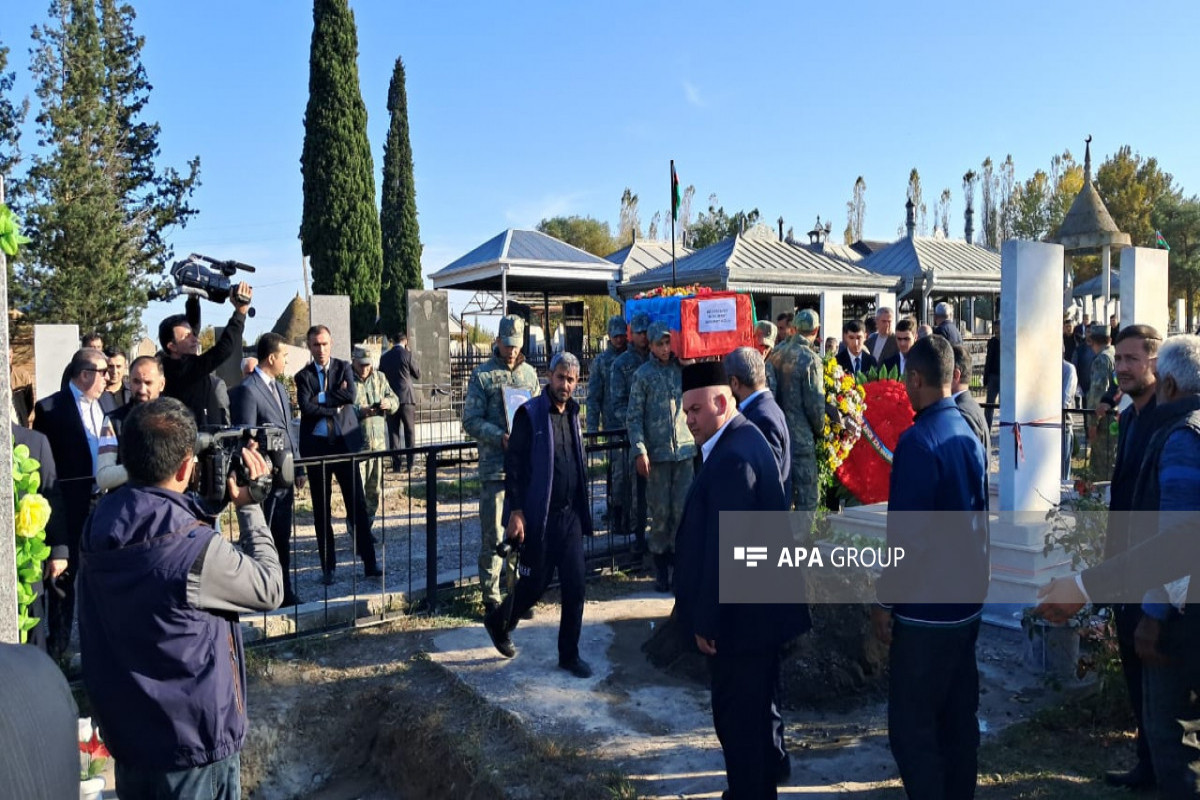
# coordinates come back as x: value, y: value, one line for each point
x: 960, y: 388
x: 743, y: 641
x: 747, y: 380
x: 71, y: 420
x: 853, y: 357
x: 188, y: 371
x: 882, y: 343
x: 400, y: 369
x: 329, y: 428
x: 906, y: 335
x: 943, y: 323
x: 261, y: 399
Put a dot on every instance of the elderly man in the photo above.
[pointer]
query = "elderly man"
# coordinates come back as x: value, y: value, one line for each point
x: 374, y: 400
x: 486, y: 420
x: 546, y: 513
x: 943, y: 323
x: 632, y: 489
x: 743, y: 642
x: 882, y: 343
x: 1163, y: 547
x: 662, y: 446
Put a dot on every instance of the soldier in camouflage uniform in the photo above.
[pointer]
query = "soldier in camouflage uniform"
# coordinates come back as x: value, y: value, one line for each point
x: 373, y: 401
x: 801, y: 395
x: 599, y: 416
x: 616, y: 404
x: 662, y: 445
x: 485, y: 421
x: 1103, y: 441
x: 808, y: 330
x: 766, y: 333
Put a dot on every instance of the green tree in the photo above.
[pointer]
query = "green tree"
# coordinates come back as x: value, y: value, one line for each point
x: 585, y: 233
x: 1179, y: 221
x: 398, y: 216
x: 1130, y: 185
x: 12, y: 114
x: 96, y: 204
x: 339, y: 226
x: 1066, y: 181
x: 716, y: 224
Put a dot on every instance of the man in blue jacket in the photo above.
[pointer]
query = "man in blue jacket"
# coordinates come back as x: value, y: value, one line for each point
x: 929, y: 610
x: 160, y: 591
x: 744, y: 642
x: 546, y: 512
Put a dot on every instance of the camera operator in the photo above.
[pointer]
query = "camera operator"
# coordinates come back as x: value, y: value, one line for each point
x: 145, y: 384
x: 160, y: 594
x: 187, y: 370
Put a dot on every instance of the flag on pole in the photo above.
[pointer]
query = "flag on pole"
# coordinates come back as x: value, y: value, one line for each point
x: 675, y: 197
x: 1161, y: 242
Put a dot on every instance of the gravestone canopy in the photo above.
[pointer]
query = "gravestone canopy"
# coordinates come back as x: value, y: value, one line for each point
x: 523, y: 261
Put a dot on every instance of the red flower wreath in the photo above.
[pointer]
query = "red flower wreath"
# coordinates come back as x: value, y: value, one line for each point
x: 867, y: 470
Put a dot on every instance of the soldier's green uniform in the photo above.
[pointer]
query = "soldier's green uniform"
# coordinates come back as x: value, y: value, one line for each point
x: 658, y: 430
x: 600, y: 417
x: 767, y: 333
x: 801, y: 396
x: 374, y: 391
x: 616, y: 407
x: 1104, y: 445
x: 485, y: 421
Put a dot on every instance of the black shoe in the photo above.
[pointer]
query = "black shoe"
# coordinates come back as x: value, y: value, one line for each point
x: 372, y: 572
x: 290, y: 598
x: 579, y: 668
x: 327, y: 577
x: 1140, y: 777
x: 783, y: 770
x: 662, y: 580
x: 489, y: 606
x: 499, y: 636
x: 527, y: 614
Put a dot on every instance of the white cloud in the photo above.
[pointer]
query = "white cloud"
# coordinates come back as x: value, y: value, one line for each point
x: 692, y: 93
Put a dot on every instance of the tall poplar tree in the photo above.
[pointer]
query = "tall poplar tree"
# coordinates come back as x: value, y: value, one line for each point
x: 95, y: 203
x: 398, y: 215
x: 339, y: 229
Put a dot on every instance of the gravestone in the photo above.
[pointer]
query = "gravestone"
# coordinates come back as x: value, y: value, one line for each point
x: 429, y: 343
x: 573, y: 328
x: 298, y: 358
x: 53, y: 347
x: 144, y: 347
x: 333, y: 311
x: 1144, y: 288
x: 831, y: 315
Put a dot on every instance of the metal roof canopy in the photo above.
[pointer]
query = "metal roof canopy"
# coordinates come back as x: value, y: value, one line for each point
x: 1094, y: 287
x: 516, y: 261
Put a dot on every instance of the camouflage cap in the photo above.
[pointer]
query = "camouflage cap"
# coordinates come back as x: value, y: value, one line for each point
x: 616, y: 325
x: 658, y: 330
x: 512, y: 331
x: 1100, y: 332
x: 807, y: 321
x: 767, y: 331
x: 362, y: 355
x: 640, y: 322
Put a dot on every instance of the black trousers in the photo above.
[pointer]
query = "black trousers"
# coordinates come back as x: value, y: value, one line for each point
x: 320, y: 483
x: 743, y: 687
x: 277, y: 508
x: 402, y: 432
x: 561, y: 549
x: 933, y: 697
x: 1127, y: 616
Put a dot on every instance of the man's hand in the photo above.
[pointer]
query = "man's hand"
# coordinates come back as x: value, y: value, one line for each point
x: 256, y: 467
x: 504, y: 441
x: 1059, y: 600
x: 54, y: 568
x: 515, y: 530
x: 643, y: 466
x: 1145, y: 641
x: 707, y: 646
x: 881, y: 622
x: 241, y: 292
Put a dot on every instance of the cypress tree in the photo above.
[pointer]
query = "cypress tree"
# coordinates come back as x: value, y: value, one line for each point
x: 339, y: 229
x: 398, y: 216
x: 95, y: 203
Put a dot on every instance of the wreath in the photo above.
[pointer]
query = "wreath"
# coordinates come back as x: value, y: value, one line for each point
x: 867, y: 469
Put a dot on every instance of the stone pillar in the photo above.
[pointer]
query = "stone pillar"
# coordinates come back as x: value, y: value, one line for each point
x: 831, y: 315
x: 1144, y: 288
x: 1030, y: 383
x: 53, y: 348
x: 1181, y: 322
x: 333, y: 311
x: 888, y: 300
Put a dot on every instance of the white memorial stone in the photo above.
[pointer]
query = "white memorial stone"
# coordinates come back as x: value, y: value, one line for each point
x: 53, y: 347
x: 1181, y: 322
x: 831, y: 315
x: 1144, y: 288
x: 333, y: 311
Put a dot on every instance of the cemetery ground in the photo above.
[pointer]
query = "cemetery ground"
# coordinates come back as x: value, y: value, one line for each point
x: 422, y: 706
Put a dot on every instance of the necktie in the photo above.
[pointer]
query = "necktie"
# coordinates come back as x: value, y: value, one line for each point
x: 856, y: 365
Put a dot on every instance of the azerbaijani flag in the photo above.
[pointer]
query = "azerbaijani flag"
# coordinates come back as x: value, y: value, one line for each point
x: 1159, y: 241
x: 675, y: 197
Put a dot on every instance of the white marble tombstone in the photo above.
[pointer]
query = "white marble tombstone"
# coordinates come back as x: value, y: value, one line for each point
x: 831, y: 316
x: 1144, y: 288
x: 333, y: 311
x: 53, y: 347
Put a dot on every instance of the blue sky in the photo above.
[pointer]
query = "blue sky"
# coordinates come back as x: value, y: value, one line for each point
x: 520, y: 111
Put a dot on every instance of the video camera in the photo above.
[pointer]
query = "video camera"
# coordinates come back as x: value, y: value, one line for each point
x: 209, y: 278
x: 219, y: 454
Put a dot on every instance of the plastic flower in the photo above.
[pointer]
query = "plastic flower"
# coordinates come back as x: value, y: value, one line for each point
x: 33, y: 512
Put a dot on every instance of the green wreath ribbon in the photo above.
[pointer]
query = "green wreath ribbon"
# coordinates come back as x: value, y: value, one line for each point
x: 10, y: 235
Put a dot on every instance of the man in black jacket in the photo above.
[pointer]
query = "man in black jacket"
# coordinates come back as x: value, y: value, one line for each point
x: 188, y: 370
x: 401, y: 369
x: 854, y: 357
